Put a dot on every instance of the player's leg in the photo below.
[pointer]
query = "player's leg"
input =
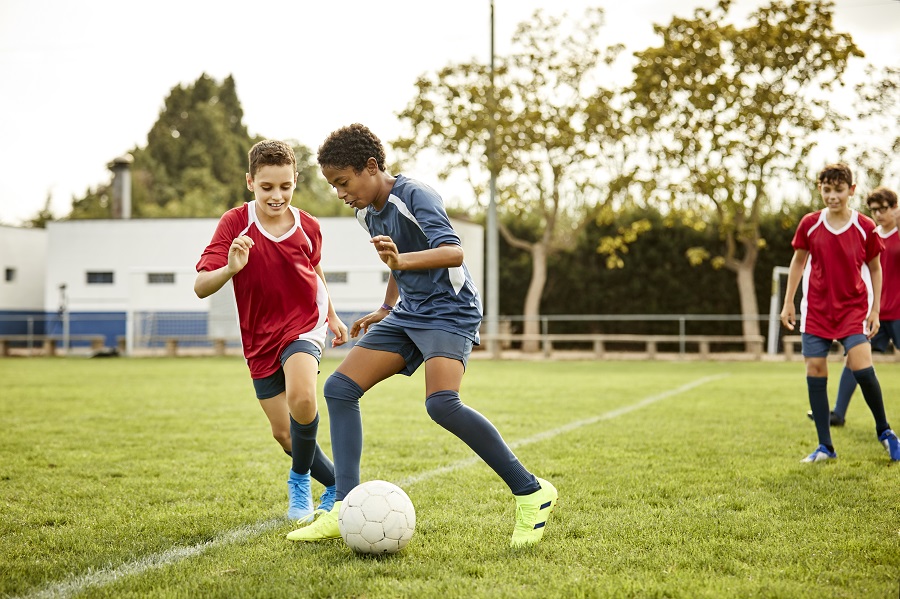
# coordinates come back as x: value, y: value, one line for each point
x: 846, y: 387
x: 445, y: 359
x: 360, y: 370
x: 300, y: 362
x: 815, y: 353
x: 859, y: 358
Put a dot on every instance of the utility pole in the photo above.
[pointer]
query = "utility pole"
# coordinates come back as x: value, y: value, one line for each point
x: 493, y: 257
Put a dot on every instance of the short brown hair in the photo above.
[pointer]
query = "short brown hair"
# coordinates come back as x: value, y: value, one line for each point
x: 836, y: 173
x: 883, y: 197
x: 271, y: 153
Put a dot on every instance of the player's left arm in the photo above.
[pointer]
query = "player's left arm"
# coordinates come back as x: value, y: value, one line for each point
x: 873, y: 322
x: 336, y: 325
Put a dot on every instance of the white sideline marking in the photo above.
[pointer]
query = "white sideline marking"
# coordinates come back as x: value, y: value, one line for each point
x: 566, y: 428
x: 99, y: 578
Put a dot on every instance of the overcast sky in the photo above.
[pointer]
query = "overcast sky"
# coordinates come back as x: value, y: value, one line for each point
x: 84, y: 81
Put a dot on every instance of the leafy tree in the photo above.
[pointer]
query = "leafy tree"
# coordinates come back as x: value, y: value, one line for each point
x: 878, y: 111
x: 195, y: 160
x: 542, y: 146
x: 732, y: 110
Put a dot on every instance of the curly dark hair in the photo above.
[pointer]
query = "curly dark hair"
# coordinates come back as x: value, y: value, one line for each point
x: 836, y: 173
x: 351, y: 146
x: 270, y: 153
x: 883, y: 197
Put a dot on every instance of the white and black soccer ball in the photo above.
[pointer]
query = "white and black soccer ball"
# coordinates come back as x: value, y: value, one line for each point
x: 377, y: 517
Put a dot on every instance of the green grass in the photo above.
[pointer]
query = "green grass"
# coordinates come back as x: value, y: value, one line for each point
x: 159, y: 478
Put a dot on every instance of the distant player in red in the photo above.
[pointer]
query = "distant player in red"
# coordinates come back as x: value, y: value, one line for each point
x: 882, y: 203
x: 271, y: 251
x: 836, y: 256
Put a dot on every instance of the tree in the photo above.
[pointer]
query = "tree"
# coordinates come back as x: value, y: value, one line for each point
x: 195, y: 160
x: 878, y: 112
x: 732, y: 113
x: 542, y: 143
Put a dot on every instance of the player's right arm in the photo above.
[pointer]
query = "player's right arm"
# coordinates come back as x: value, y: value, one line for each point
x: 208, y: 282
x: 795, y: 274
x: 391, y: 295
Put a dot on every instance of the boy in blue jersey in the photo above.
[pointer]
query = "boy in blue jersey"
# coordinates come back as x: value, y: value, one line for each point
x: 431, y: 314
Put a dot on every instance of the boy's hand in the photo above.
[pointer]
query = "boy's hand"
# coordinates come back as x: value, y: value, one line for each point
x: 339, y: 329
x: 788, y: 317
x: 368, y: 320
x: 387, y: 251
x: 239, y: 254
x: 873, y: 323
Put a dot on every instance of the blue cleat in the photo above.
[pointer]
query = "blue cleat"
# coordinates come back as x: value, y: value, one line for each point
x: 821, y: 454
x: 889, y: 439
x: 326, y: 501
x: 300, y: 505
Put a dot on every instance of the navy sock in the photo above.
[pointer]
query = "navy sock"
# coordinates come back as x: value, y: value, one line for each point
x: 322, y: 469
x: 818, y: 403
x: 303, y: 444
x: 482, y: 437
x: 871, y: 390
x: 342, y: 395
x: 846, y: 387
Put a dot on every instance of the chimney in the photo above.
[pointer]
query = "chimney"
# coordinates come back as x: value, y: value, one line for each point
x: 121, y: 186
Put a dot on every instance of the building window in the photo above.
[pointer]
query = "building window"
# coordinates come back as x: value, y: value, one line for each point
x: 100, y: 278
x: 385, y: 276
x: 160, y: 278
x: 335, y: 277
x: 10, y: 275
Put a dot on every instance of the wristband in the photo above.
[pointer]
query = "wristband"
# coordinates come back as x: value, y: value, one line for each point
x: 386, y: 307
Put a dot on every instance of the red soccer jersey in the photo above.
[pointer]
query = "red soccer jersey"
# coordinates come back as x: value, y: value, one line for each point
x: 890, y: 275
x: 837, y: 286
x: 280, y: 298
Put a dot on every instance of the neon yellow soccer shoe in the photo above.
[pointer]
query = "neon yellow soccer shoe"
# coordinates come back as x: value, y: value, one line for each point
x: 325, y: 527
x: 532, y: 512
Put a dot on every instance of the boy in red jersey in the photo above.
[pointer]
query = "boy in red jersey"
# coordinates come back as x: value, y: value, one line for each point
x: 836, y: 255
x: 881, y: 202
x: 271, y: 251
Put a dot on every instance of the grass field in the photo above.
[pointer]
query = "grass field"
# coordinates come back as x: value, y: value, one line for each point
x: 158, y: 478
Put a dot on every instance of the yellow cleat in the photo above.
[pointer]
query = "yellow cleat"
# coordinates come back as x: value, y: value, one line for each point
x: 325, y: 527
x: 532, y: 512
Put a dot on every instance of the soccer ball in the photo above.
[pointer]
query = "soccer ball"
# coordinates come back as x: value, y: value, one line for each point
x: 377, y: 517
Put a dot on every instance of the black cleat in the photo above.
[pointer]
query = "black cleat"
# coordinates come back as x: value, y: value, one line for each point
x: 836, y: 419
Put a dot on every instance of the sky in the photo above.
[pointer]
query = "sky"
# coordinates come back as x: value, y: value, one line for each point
x: 83, y: 82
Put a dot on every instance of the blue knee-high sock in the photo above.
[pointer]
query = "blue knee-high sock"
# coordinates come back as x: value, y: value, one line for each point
x: 322, y: 469
x: 846, y: 387
x: 303, y: 444
x: 342, y: 395
x: 482, y: 437
x: 818, y: 403
x: 871, y: 390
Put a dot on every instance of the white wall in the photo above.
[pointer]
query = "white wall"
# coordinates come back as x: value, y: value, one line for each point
x: 24, y: 252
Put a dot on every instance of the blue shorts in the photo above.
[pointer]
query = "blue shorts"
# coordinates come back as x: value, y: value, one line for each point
x: 814, y: 346
x: 416, y: 345
x: 274, y: 384
x: 889, y: 331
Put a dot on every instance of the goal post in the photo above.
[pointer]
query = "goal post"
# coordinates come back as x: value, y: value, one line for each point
x: 775, y: 308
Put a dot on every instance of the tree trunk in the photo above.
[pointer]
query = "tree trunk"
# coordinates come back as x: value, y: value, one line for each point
x: 747, y: 293
x: 532, y: 311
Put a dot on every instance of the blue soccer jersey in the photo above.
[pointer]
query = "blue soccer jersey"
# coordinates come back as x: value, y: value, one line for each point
x: 442, y: 298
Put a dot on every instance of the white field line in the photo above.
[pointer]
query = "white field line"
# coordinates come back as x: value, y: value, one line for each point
x: 99, y: 578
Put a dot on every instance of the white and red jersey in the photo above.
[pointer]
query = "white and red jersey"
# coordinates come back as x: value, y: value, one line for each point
x: 279, y: 296
x: 890, y: 274
x: 837, y: 285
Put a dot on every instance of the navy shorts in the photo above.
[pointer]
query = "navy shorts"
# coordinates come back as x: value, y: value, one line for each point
x: 814, y: 346
x: 416, y: 345
x: 889, y: 331
x: 274, y: 384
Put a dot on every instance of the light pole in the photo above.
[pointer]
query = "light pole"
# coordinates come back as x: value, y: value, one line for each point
x: 493, y: 257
